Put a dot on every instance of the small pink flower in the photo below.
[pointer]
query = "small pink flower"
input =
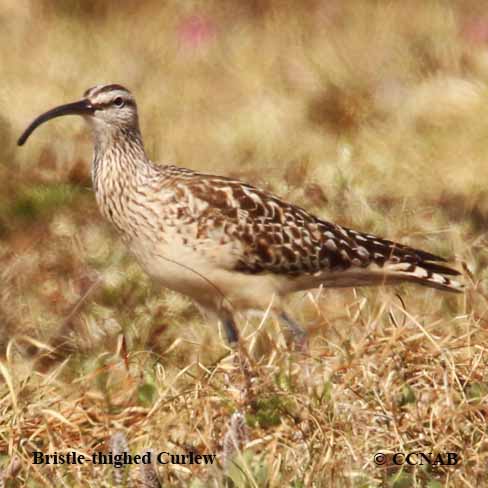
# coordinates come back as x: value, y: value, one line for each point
x: 476, y: 30
x: 195, y: 31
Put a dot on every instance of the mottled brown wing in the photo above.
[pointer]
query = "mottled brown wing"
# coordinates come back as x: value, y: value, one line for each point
x: 285, y: 239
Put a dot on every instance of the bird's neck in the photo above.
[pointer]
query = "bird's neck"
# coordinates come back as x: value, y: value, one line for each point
x: 120, y: 169
x: 119, y: 157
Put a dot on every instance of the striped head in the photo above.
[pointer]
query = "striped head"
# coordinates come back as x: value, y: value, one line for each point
x: 107, y: 108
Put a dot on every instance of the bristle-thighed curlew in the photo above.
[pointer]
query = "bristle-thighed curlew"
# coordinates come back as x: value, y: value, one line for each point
x: 226, y: 244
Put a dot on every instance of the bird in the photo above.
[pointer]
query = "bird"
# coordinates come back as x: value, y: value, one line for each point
x: 229, y: 246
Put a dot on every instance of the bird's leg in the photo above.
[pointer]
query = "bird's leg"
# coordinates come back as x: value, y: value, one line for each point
x: 231, y: 330
x: 298, y: 332
x: 241, y: 357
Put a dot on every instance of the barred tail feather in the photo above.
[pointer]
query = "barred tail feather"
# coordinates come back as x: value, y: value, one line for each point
x: 427, y: 274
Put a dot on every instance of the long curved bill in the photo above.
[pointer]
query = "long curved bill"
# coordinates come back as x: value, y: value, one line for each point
x: 82, y: 107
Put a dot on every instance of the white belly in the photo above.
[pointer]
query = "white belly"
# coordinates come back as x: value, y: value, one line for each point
x: 205, y: 272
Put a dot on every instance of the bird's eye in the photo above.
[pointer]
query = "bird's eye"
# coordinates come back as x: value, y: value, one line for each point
x: 119, y: 102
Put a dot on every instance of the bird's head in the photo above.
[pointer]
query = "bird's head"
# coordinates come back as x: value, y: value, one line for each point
x: 107, y: 108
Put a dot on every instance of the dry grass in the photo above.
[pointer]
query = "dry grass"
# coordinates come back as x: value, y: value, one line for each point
x: 368, y: 113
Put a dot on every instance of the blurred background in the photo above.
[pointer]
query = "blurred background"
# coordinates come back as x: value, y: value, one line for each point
x: 372, y: 114
x: 368, y: 113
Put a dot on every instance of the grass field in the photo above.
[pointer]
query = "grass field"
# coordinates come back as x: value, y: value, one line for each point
x: 368, y: 113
